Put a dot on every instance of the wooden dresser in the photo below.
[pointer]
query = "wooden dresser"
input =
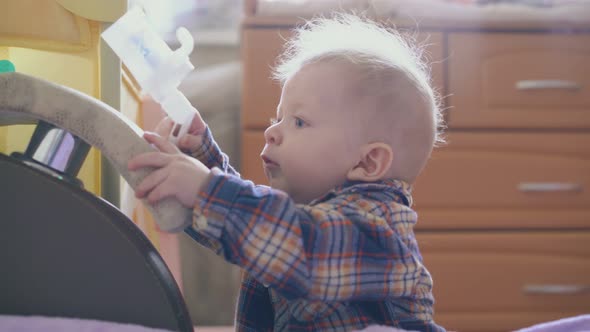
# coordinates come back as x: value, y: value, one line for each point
x: 504, y: 208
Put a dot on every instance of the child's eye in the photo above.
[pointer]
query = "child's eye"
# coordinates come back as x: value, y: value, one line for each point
x: 299, y: 123
x: 273, y: 121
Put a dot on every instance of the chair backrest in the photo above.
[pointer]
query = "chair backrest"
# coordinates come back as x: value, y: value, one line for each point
x: 68, y: 253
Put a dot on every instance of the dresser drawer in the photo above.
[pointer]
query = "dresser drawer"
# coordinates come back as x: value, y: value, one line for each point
x: 510, y: 180
x: 497, y: 281
x: 261, y: 94
x: 500, y: 80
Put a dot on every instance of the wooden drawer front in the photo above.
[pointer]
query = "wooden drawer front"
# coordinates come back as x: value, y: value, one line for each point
x: 251, y: 165
x: 261, y: 94
x: 507, y: 180
x: 519, y: 80
x: 504, y: 281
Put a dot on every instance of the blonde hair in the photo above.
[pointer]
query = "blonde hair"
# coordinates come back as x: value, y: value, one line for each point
x: 387, y: 59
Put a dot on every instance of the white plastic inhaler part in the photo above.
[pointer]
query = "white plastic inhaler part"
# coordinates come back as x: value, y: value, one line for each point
x: 175, y: 103
x: 182, y: 120
x: 157, y: 69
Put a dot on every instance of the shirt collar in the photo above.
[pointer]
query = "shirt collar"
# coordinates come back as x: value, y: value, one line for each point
x: 401, y: 189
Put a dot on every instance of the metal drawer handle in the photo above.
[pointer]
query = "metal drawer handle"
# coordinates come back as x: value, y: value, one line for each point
x: 547, y: 84
x: 550, y: 187
x: 556, y: 289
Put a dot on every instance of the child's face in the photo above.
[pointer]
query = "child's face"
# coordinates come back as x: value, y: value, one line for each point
x: 316, y: 139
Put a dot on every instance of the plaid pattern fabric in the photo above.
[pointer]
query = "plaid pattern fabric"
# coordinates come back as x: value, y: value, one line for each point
x: 343, y: 262
x: 210, y: 154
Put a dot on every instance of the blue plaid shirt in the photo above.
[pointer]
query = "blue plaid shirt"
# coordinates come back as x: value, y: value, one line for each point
x: 343, y: 262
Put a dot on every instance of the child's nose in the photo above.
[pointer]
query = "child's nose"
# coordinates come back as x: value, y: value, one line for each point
x: 272, y: 135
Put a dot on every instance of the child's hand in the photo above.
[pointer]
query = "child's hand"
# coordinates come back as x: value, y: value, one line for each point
x: 177, y: 175
x: 189, y: 142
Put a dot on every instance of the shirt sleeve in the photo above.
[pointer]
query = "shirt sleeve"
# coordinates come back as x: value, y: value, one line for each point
x: 332, y: 251
x: 211, y: 155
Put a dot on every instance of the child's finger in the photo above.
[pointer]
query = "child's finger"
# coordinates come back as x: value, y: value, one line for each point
x: 150, y: 182
x: 190, y: 142
x: 148, y: 159
x: 164, y: 127
x: 160, y: 142
x: 160, y: 192
x: 198, y: 125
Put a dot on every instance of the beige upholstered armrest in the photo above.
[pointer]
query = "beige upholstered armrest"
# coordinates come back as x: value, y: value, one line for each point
x: 23, y: 97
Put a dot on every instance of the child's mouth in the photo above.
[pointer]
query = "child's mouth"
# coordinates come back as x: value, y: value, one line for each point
x: 269, y: 162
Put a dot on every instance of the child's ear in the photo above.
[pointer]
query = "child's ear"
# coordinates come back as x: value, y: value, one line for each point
x: 376, y: 160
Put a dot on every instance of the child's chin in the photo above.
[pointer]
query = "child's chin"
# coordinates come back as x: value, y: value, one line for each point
x: 279, y: 184
x: 276, y: 183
